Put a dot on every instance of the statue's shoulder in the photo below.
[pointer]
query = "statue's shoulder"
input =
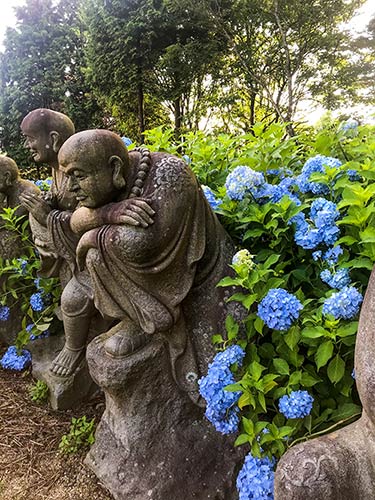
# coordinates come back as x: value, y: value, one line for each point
x: 171, y: 173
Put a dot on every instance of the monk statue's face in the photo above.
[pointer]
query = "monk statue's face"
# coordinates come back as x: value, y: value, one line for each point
x: 92, y: 186
x: 40, y: 144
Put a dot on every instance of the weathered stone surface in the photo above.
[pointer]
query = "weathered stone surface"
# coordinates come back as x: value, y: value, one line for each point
x: 64, y: 392
x: 153, y: 442
x: 340, y: 465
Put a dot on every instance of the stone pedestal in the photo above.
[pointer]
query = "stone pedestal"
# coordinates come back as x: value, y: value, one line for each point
x: 153, y: 442
x: 64, y: 392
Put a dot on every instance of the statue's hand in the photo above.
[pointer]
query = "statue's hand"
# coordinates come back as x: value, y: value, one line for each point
x: 132, y: 212
x: 36, y: 206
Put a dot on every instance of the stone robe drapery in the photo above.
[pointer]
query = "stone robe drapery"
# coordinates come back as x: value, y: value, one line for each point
x: 148, y: 274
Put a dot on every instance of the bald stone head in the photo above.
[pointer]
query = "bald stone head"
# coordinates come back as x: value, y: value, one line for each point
x: 46, y: 131
x: 9, y: 173
x: 96, y: 163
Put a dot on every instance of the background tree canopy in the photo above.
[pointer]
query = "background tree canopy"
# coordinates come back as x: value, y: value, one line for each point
x: 131, y: 65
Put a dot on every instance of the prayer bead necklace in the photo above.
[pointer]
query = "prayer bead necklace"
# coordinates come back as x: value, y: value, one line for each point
x: 143, y: 170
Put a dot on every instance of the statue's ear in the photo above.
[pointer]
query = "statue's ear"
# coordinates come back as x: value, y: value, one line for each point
x: 56, y: 141
x: 8, y: 179
x: 117, y: 168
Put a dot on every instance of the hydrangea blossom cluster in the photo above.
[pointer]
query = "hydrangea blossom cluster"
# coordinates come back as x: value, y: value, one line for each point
x: 323, y: 230
x: 38, y: 301
x: 316, y: 164
x: 297, y: 405
x: 339, y: 279
x: 353, y: 175
x: 243, y: 257
x: 255, y: 479
x: 220, y: 410
x: 343, y: 304
x: 44, y: 184
x: 279, y: 309
x: 331, y: 256
x: 41, y: 335
x: 4, y: 313
x: 242, y: 181
x: 211, y: 198
x: 14, y: 361
x: 126, y: 141
x: 350, y: 124
x: 275, y: 192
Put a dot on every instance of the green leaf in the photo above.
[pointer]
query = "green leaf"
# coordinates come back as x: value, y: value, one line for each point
x: 348, y: 329
x: 248, y: 426
x: 308, y: 380
x: 241, y: 439
x: 256, y: 369
x: 336, y: 369
x: 313, y: 332
x: 292, y: 337
x: 323, y: 354
x: 281, y: 366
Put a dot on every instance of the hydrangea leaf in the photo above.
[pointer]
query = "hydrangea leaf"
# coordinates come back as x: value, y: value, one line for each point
x: 336, y: 369
x: 323, y: 354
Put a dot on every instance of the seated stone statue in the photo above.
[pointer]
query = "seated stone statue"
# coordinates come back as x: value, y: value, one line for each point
x: 45, y: 131
x: 340, y: 465
x: 12, y: 188
x: 149, y: 242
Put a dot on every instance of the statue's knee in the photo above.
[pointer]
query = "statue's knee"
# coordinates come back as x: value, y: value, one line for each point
x: 306, y: 472
x: 74, y: 300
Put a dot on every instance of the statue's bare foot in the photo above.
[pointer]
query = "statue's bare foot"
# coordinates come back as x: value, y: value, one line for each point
x: 66, y: 361
x: 122, y: 344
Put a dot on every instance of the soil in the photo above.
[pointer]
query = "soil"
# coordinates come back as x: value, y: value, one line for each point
x: 31, y: 466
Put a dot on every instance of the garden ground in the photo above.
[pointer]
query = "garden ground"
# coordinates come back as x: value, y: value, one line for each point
x: 31, y: 467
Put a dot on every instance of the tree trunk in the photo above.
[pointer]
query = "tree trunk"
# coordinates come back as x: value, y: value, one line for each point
x: 141, y: 117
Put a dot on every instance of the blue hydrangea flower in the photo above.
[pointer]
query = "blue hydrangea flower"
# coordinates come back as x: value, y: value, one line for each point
x: 37, y: 302
x: 221, y: 410
x: 242, y: 181
x: 353, y: 175
x: 343, y: 304
x: 211, y: 198
x: 255, y: 479
x: 40, y: 335
x: 297, y: 405
x: 338, y: 280
x: 315, y: 164
x: 275, y: 192
x: 350, y: 124
x: 4, y: 313
x: 126, y: 141
x: 317, y: 255
x: 14, y: 361
x: 23, y: 265
x: 187, y: 159
x: 331, y: 256
x: 279, y: 309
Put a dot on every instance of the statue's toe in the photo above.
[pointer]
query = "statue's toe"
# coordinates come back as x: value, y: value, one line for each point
x: 122, y: 344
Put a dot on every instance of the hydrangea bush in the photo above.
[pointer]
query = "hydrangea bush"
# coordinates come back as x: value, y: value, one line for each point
x: 37, y: 296
x: 301, y: 212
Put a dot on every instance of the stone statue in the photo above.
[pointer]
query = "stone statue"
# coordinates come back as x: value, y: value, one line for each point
x: 45, y: 132
x: 150, y: 254
x: 340, y: 465
x: 12, y: 187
